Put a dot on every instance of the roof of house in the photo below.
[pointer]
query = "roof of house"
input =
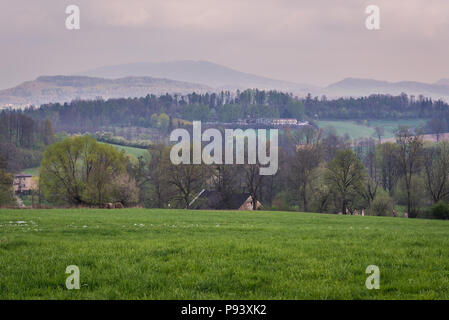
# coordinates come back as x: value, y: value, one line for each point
x: 215, y: 200
x: 22, y: 175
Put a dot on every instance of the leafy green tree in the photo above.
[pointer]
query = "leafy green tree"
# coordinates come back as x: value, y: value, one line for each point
x: 81, y: 171
x: 440, y: 210
x: 382, y: 205
x: 154, y: 120
x: 163, y: 122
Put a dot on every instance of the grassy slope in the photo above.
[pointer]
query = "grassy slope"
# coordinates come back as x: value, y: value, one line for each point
x: 32, y: 171
x: 356, y: 131
x: 136, y: 152
x: 165, y: 254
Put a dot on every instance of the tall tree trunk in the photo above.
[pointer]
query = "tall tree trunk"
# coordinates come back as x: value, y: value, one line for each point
x: 304, y: 195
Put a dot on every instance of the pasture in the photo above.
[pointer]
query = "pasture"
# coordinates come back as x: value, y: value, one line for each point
x: 179, y: 254
x: 135, y: 152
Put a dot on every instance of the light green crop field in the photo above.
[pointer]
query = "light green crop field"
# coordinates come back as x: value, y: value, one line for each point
x: 136, y: 152
x: 357, y: 131
x: 32, y: 171
x: 179, y: 254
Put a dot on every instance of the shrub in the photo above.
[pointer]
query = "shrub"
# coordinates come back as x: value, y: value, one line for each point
x: 440, y: 210
x: 382, y: 205
x: 280, y: 202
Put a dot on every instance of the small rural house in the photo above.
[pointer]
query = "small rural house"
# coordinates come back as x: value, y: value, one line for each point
x: 214, y: 200
x: 23, y: 183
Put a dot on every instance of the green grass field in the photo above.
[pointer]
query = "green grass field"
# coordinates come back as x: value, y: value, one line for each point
x: 357, y: 131
x: 136, y: 152
x: 32, y: 171
x: 178, y: 254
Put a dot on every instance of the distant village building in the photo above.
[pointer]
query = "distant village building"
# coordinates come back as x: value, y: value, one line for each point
x: 23, y: 183
x: 213, y: 200
x: 280, y: 122
x: 285, y: 122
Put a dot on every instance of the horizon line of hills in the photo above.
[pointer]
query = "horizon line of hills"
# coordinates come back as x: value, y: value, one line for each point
x: 183, y: 77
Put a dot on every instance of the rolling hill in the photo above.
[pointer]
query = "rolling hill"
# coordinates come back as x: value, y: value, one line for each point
x: 47, y: 89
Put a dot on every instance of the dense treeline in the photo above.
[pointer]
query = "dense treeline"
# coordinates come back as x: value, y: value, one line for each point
x: 23, y: 139
x: 224, y: 107
x: 378, y: 106
x: 229, y: 107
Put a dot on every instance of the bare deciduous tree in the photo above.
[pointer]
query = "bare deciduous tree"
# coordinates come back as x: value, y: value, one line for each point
x: 436, y: 167
x: 409, y: 156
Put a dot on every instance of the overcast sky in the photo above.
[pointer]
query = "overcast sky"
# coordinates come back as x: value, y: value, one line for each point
x: 315, y: 42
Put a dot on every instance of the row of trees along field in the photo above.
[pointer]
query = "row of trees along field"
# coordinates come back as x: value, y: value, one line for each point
x: 23, y: 139
x: 319, y: 171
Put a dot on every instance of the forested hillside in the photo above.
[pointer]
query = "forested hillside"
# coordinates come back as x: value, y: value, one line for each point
x: 223, y: 107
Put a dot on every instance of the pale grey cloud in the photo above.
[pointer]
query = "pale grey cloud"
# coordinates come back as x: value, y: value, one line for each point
x: 305, y: 41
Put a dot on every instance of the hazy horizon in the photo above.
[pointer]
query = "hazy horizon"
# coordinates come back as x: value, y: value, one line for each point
x: 299, y: 41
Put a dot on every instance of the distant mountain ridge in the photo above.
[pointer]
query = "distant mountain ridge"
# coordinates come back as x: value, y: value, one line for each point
x: 221, y: 77
x: 444, y: 82
x: 45, y: 89
x: 204, y: 72
x: 363, y: 87
x: 182, y: 77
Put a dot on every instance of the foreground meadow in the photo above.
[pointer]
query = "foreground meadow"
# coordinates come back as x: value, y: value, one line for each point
x: 178, y: 254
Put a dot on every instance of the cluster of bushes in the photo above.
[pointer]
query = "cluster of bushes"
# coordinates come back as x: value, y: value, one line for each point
x: 382, y: 205
x: 440, y: 210
x: 108, y: 137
